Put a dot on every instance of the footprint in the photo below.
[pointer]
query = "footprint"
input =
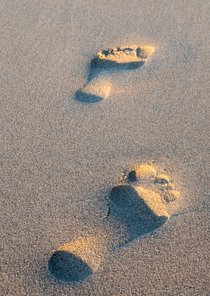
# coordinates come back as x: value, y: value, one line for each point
x: 139, y: 204
x: 77, y: 260
x: 140, y: 201
x: 121, y: 58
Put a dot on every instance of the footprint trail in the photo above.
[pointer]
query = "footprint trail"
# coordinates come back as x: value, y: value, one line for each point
x: 139, y: 204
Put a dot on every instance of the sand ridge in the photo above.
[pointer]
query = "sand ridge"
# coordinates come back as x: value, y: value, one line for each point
x: 126, y: 54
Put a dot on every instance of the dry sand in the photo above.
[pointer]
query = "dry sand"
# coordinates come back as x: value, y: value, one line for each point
x: 60, y: 157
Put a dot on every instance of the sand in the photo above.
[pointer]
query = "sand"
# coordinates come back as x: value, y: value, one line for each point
x: 61, y: 157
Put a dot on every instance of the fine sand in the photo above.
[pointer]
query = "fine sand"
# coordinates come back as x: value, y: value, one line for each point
x: 105, y: 160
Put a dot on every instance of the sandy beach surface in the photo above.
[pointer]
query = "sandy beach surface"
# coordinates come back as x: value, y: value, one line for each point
x: 60, y: 157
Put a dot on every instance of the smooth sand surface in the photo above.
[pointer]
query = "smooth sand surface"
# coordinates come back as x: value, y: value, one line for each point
x: 60, y: 157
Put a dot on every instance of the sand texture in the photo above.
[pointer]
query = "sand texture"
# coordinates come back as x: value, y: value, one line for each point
x: 105, y: 165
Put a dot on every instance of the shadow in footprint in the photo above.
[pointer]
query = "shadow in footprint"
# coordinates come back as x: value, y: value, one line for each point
x: 87, y: 98
x: 131, y: 211
x: 97, y: 66
x: 68, y: 267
